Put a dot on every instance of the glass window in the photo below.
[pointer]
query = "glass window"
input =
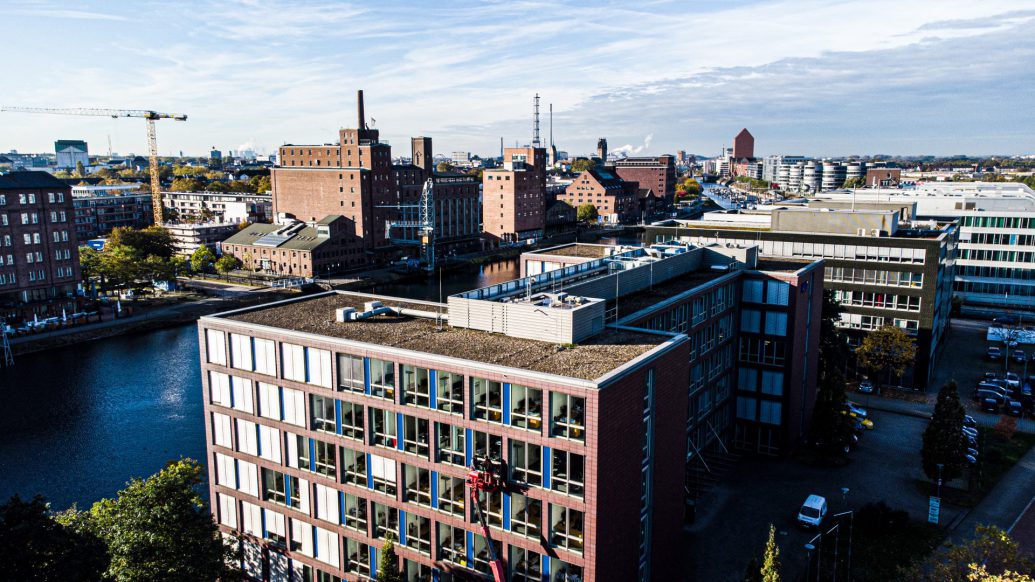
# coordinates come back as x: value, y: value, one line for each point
x: 568, y: 473
x: 451, y: 494
x: 354, y: 467
x: 526, y: 407
x: 492, y: 508
x: 750, y: 320
x: 325, y: 462
x: 386, y: 521
x: 452, y: 544
x: 240, y: 351
x: 416, y: 390
x: 566, y: 528
x: 382, y: 471
x: 752, y: 290
x: 319, y: 367
x: 350, y: 373
x: 352, y: 420
x: 776, y: 323
x: 275, y: 488
x: 450, y: 444
x: 355, y: 511
x: 382, y: 379
x: 482, y: 556
x: 417, y: 481
x: 569, y: 416
x: 383, y: 428
x: 526, y: 565
x: 526, y: 462
x: 417, y: 572
x: 526, y: 515
x: 321, y: 414
x: 488, y: 445
x: 415, y: 435
x: 565, y: 572
x: 450, y: 395
x: 292, y: 362
x: 487, y: 400
x: 216, y: 346
x: 358, y: 557
x: 772, y: 383
x: 265, y: 356
x: 770, y: 412
x: 418, y: 533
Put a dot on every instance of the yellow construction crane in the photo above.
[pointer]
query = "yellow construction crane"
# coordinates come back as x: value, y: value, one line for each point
x: 152, y: 140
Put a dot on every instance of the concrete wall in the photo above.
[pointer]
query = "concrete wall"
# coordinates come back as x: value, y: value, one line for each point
x: 845, y: 222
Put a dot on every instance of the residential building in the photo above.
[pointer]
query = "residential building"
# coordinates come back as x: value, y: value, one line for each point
x: 336, y: 420
x: 882, y: 271
x: 100, y: 209
x: 228, y: 207
x: 616, y: 200
x: 69, y: 152
x: 39, y: 251
x: 514, y: 197
x: 189, y: 237
x: 995, y: 262
x: 657, y: 174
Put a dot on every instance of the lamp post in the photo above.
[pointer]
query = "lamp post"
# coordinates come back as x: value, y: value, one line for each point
x: 940, y: 465
x: 808, y: 563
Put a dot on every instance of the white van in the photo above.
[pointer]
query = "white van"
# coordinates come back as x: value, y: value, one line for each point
x: 812, y: 511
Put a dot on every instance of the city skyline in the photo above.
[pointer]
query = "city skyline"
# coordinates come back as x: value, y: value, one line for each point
x: 865, y: 78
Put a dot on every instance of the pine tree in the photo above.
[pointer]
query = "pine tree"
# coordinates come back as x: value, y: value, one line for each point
x: 943, y: 438
x: 388, y: 566
x: 771, y: 558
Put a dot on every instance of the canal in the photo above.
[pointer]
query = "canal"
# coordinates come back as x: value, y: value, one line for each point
x: 79, y: 422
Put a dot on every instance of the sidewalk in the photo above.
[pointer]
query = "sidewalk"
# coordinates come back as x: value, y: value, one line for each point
x: 1005, y: 504
x: 924, y: 410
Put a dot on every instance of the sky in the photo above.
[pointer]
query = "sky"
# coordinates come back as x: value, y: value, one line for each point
x: 817, y: 78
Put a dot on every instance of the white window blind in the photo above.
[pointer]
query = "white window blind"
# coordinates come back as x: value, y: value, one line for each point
x: 252, y: 518
x: 265, y: 356
x: 269, y: 401
x: 294, y: 407
x: 243, y: 399
x: 219, y: 388
x: 215, y: 342
x: 248, y: 475
x: 240, y: 351
x: 319, y: 367
x: 326, y: 504
x: 327, y: 547
x: 292, y: 360
x: 269, y: 443
x: 247, y: 438
x: 221, y: 430
x: 227, y: 510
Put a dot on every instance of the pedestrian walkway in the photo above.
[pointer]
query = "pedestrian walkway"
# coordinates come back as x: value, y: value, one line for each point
x: 925, y: 409
x: 1006, y: 503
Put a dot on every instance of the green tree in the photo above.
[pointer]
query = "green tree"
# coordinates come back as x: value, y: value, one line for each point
x: 444, y: 167
x: 227, y: 263
x: 856, y: 182
x: 260, y: 184
x: 187, y: 185
x: 202, y: 259
x: 217, y: 186
x: 153, y: 240
x: 241, y: 187
x: 159, y: 529
x: 189, y: 171
x: 587, y: 213
x: 943, y: 440
x: 35, y: 546
x: 180, y: 265
x: 581, y: 165
x: 830, y: 425
x: 771, y: 558
x: 889, y: 350
x: 80, y: 171
x: 388, y: 566
x: 155, y: 268
x: 991, y: 553
x: 119, y: 266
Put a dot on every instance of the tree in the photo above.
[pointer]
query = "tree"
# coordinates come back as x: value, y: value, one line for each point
x: 587, y: 213
x: 241, y: 187
x: 888, y: 349
x: 119, y: 266
x: 89, y: 261
x: 260, y: 184
x: 990, y: 555
x: 830, y: 425
x: 856, y: 182
x: 444, y: 167
x: 180, y: 265
x: 227, y: 263
x: 35, y: 546
x: 187, y: 185
x: 388, y: 566
x: 582, y: 164
x: 202, y: 259
x: 80, y: 171
x: 771, y: 558
x: 159, y: 529
x: 753, y: 572
x: 943, y: 438
x: 153, y: 240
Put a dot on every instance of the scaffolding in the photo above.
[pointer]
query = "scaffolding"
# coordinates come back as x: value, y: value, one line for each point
x: 5, y: 346
x: 415, y: 225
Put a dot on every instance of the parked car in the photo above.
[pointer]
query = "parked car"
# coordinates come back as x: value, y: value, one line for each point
x: 995, y: 353
x: 987, y: 393
x: 970, y: 431
x: 854, y: 410
x: 971, y: 441
x: 991, y: 375
x: 812, y: 511
x: 990, y: 404
x: 1019, y: 356
x: 971, y: 459
x: 1013, y: 380
x: 968, y: 420
x: 1014, y: 408
x: 972, y: 451
x: 1005, y: 320
x: 866, y: 387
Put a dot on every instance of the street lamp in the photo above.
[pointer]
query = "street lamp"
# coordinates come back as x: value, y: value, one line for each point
x: 940, y: 466
x: 808, y: 564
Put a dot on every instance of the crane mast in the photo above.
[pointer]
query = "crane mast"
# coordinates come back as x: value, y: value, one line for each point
x: 152, y: 139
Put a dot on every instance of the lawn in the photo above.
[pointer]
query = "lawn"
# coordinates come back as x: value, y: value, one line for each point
x: 998, y: 455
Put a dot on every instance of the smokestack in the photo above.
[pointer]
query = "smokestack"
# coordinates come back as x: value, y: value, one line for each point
x: 359, y: 110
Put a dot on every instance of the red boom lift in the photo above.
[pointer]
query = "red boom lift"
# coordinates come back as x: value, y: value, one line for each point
x: 487, y: 475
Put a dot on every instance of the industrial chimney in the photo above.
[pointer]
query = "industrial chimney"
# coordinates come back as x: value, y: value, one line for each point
x: 359, y: 109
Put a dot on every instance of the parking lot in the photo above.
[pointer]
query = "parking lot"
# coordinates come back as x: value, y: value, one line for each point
x: 734, y: 519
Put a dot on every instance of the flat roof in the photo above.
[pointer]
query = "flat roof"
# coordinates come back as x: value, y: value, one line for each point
x: 589, y: 360
x: 576, y: 250
x: 630, y: 304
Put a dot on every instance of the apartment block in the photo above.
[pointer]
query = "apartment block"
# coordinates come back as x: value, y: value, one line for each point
x: 235, y: 207
x: 39, y: 251
x: 514, y: 197
x: 616, y: 200
x: 883, y: 271
x: 100, y: 209
x: 335, y: 420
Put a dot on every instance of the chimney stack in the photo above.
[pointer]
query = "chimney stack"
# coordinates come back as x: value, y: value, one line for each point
x: 359, y: 107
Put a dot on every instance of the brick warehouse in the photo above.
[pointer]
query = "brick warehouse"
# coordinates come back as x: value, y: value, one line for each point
x: 39, y: 252
x: 335, y: 419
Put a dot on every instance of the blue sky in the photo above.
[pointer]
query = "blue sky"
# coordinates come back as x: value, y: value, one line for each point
x: 810, y: 77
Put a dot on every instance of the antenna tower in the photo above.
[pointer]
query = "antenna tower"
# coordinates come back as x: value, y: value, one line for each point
x: 535, y: 124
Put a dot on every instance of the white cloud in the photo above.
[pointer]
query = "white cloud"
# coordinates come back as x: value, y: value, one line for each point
x: 69, y: 14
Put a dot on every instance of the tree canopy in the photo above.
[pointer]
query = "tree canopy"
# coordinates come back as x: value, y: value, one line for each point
x: 227, y: 263
x: 153, y: 240
x: 888, y: 349
x: 991, y: 555
x: 587, y: 213
x: 830, y: 425
x: 943, y: 438
x: 581, y: 165
x: 388, y: 565
x: 202, y: 258
x: 771, y: 558
x: 34, y: 546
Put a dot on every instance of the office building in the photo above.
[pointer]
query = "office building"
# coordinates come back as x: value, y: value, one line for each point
x: 336, y: 420
x: 743, y: 145
x: 882, y: 270
x: 39, y: 251
x: 616, y: 200
x: 658, y: 174
x: 69, y: 152
x: 461, y: 158
x: 228, y: 207
x: 100, y: 209
x: 995, y: 262
x: 514, y: 197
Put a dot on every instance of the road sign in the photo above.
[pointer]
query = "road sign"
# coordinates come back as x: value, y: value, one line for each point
x: 933, y: 509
